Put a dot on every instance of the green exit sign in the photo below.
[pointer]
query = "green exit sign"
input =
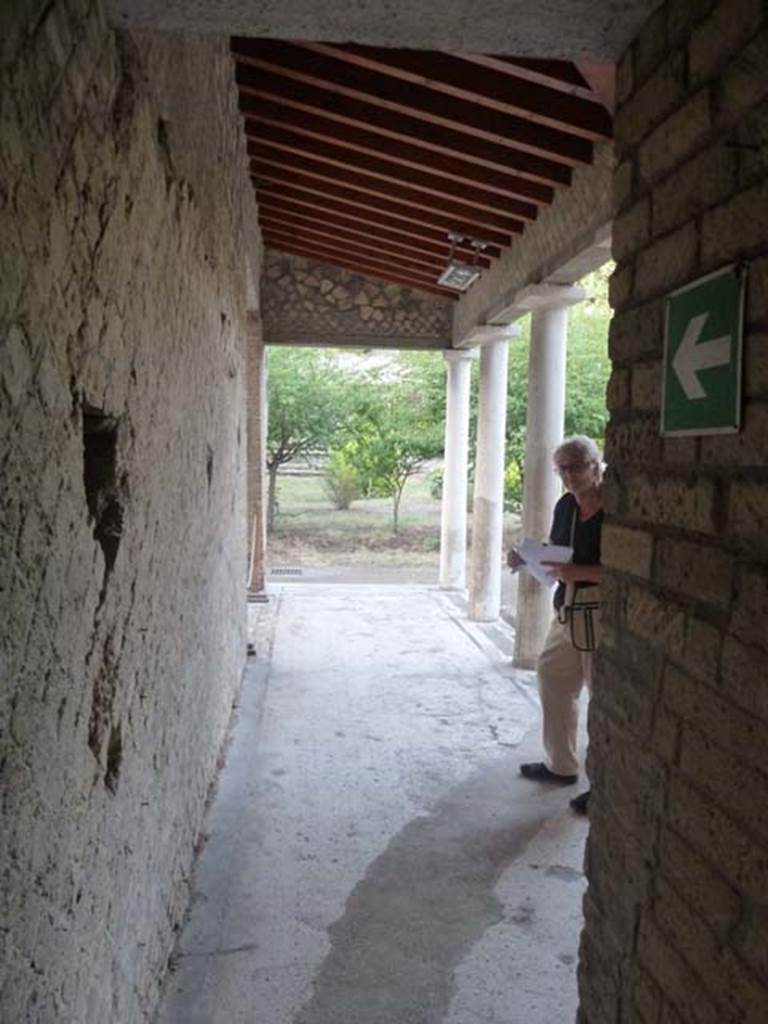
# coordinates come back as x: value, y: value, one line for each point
x: 701, y: 387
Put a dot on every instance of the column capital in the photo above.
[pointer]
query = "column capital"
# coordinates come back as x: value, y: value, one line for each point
x: 460, y: 355
x: 536, y: 298
x: 487, y: 334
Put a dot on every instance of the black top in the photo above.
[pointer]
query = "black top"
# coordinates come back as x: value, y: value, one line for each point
x: 586, y: 540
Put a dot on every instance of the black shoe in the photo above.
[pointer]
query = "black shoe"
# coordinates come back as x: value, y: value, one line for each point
x: 538, y: 772
x: 580, y: 803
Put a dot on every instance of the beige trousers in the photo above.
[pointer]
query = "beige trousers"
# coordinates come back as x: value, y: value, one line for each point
x: 562, y: 672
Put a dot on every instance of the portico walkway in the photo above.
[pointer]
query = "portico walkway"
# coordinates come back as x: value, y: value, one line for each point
x: 373, y: 856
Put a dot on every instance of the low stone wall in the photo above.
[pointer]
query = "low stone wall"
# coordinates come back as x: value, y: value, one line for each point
x: 122, y: 501
x: 678, y: 847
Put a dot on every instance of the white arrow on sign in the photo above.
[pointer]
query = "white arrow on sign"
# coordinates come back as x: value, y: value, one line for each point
x: 692, y: 356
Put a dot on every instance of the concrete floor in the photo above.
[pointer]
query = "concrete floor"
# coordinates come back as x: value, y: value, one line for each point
x: 373, y: 855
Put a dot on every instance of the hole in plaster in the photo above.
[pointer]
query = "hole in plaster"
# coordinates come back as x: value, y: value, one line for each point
x: 163, y: 142
x: 102, y: 490
x: 114, y: 758
x: 209, y: 466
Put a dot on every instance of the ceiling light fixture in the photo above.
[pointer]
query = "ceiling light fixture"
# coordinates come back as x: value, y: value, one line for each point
x: 458, y: 274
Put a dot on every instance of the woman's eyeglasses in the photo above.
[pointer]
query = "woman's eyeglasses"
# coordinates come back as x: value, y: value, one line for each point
x: 571, y: 467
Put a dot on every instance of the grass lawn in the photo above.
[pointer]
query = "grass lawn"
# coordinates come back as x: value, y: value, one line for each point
x: 309, y: 531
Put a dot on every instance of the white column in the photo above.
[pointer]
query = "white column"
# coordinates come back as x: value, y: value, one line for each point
x: 544, y: 431
x: 488, y: 503
x: 453, y: 524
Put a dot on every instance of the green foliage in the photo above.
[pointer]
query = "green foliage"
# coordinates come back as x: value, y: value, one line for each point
x: 382, y: 424
x: 587, y: 371
x: 425, y: 372
x: 393, y: 430
x: 588, y: 366
x: 515, y: 457
x: 341, y: 480
x: 307, y: 404
x: 435, y: 483
x: 513, y: 487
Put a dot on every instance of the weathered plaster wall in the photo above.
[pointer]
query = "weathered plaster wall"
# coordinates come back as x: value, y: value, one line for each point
x: 304, y: 302
x: 569, y: 29
x: 575, y: 222
x: 122, y: 497
x: 677, y: 911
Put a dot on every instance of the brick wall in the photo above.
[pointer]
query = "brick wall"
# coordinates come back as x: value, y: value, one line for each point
x: 677, y: 911
x: 122, y: 498
x: 304, y: 302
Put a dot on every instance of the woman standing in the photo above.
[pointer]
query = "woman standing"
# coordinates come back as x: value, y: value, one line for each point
x: 565, y: 663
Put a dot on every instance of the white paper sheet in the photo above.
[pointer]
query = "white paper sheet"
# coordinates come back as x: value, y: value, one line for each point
x: 533, y: 553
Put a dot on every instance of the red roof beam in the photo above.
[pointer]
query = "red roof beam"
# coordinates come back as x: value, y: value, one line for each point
x: 451, y: 140
x: 336, y: 215
x: 469, y: 203
x: 277, y: 180
x: 423, y: 284
x: 506, y: 92
x: 427, y: 265
x: 264, y: 117
x: 343, y: 79
x: 271, y: 218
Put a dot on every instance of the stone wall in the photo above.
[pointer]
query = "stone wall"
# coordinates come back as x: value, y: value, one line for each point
x: 304, y: 302
x: 676, y: 911
x: 122, y: 498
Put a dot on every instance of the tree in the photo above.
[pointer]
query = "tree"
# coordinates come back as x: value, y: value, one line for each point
x: 306, y: 406
x: 392, y: 432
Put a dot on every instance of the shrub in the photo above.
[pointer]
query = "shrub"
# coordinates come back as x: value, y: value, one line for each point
x: 513, y: 487
x: 435, y: 483
x: 341, y: 481
x: 435, y: 480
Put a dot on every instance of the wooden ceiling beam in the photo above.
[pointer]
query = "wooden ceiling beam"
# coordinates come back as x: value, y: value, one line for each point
x: 449, y: 137
x: 450, y: 75
x: 335, y: 215
x: 340, y: 78
x: 349, y: 162
x: 602, y: 81
x: 504, y: 213
x: 427, y: 265
x: 290, y: 184
x: 265, y: 117
x: 275, y: 218
x: 562, y: 75
x: 413, y: 281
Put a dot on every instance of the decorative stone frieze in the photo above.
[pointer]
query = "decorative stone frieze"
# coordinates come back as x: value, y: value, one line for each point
x: 305, y: 302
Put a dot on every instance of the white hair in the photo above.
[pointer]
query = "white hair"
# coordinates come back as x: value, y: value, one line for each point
x: 581, y: 447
